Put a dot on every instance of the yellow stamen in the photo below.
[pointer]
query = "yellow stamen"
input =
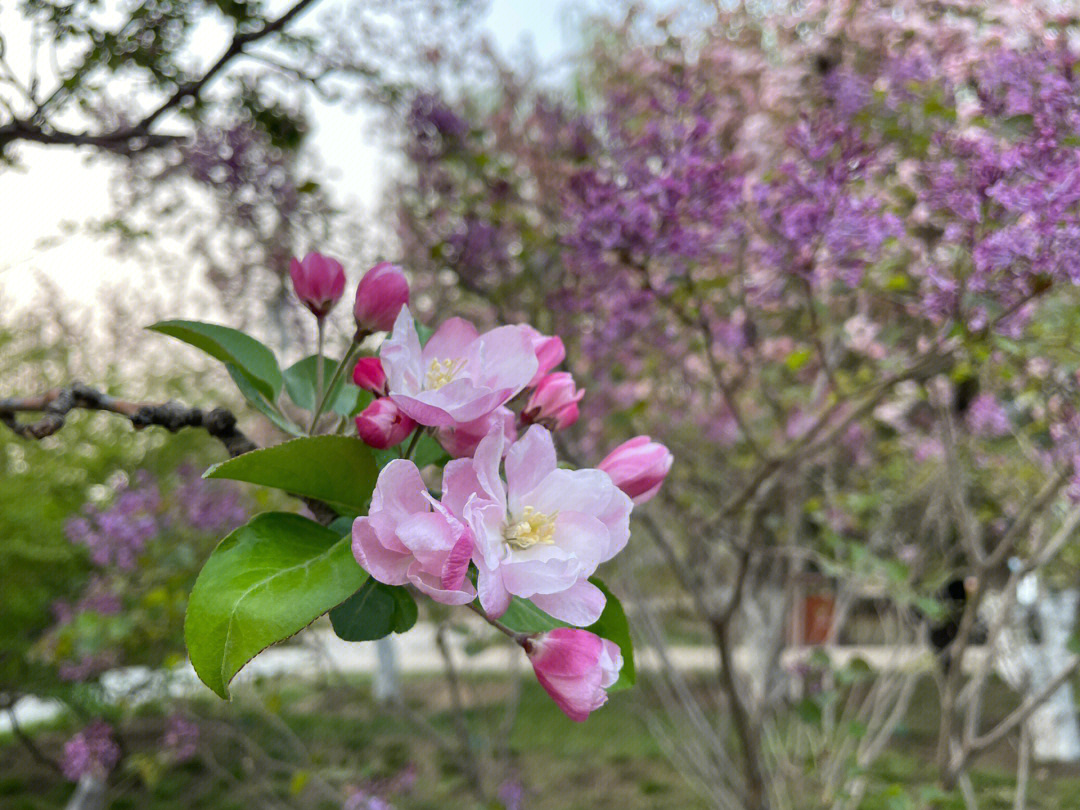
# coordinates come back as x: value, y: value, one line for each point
x: 533, y: 528
x: 440, y: 372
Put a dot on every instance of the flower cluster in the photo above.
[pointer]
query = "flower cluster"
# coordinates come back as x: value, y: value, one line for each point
x: 510, y: 522
x: 181, y: 740
x: 91, y: 752
x: 133, y: 543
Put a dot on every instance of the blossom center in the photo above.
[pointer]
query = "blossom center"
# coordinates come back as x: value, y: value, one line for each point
x: 440, y: 372
x: 533, y: 528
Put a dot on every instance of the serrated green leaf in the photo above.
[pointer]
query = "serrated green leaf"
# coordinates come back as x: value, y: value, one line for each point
x: 265, y: 582
x: 374, y: 611
x: 338, y: 470
x: 250, y: 356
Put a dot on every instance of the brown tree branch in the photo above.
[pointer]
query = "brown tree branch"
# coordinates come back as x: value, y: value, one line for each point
x: 130, y: 140
x: 55, y: 406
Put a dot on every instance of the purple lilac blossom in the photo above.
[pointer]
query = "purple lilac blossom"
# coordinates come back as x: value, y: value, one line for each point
x: 92, y: 751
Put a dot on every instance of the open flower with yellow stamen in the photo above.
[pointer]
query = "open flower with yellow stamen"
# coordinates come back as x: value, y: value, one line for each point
x: 460, y: 375
x: 542, y: 533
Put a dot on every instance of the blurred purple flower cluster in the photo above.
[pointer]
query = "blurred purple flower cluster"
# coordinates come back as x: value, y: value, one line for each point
x: 208, y: 506
x: 181, y: 740
x: 115, y: 536
x: 92, y: 751
x: 120, y: 538
x: 240, y: 160
x: 372, y: 795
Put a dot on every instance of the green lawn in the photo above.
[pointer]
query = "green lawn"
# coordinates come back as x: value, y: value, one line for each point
x: 300, y: 745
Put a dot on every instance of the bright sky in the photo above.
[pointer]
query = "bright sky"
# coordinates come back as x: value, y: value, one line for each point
x: 58, y: 186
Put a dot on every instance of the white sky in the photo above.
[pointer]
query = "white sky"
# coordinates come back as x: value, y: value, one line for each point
x: 58, y: 186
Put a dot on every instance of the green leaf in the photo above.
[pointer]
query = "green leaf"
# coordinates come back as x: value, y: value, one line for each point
x: 229, y: 346
x: 374, y: 611
x: 338, y: 470
x: 613, y: 626
x: 264, y: 583
x: 259, y: 402
x: 301, y: 381
x: 524, y: 617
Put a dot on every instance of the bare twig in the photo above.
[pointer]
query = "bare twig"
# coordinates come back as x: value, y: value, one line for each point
x: 55, y: 406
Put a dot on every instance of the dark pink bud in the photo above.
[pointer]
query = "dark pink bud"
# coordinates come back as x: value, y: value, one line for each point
x: 576, y: 668
x: 381, y: 294
x: 638, y: 467
x: 381, y: 424
x: 554, y: 401
x: 319, y: 282
x: 370, y: 376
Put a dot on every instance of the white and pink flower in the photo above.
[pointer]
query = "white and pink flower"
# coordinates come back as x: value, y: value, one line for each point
x: 549, y: 350
x: 542, y: 534
x: 409, y: 537
x: 461, y: 440
x: 460, y: 375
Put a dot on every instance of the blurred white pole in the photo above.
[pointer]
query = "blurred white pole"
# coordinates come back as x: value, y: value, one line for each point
x: 1055, y: 733
x: 89, y: 795
x: 387, y: 676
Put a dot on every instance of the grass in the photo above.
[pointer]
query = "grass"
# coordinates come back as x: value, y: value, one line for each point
x: 302, y: 745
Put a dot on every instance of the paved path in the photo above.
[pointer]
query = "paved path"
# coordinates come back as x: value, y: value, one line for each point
x: 317, y: 650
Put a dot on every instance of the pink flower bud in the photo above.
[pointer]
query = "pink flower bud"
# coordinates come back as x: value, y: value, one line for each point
x: 381, y: 424
x: 554, y: 401
x: 319, y: 282
x: 550, y: 351
x: 370, y: 376
x: 381, y: 294
x: 638, y: 467
x: 576, y: 668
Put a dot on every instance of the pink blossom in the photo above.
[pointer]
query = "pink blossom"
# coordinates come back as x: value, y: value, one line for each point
x: 380, y: 296
x: 409, y: 537
x: 370, y: 376
x: 319, y: 282
x: 638, y: 467
x: 461, y: 440
x: 542, y: 534
x: 382, y: 424
x: 550, y: 351
x: 460, y: 375
x: 554, y: 402
x: 576, y: 668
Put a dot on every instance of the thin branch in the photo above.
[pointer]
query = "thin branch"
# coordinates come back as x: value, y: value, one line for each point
x: 130, y: 140
x: 1017, y: 716
x: 236, y: 47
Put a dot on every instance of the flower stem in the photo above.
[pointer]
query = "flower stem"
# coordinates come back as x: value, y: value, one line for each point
x: 345, y: 362
x: 520, y: 638
x: 319, y: 371
x: 415, y: 440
